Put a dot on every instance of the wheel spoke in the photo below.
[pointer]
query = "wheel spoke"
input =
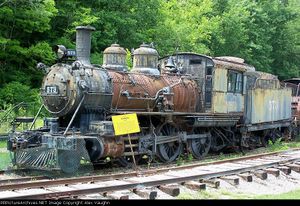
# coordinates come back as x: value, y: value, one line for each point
x: 168, y: 152
x: 199, y: 147
x: 172, y: 151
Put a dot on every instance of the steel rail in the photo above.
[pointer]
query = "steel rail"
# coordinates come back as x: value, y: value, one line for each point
x: 22, y: 179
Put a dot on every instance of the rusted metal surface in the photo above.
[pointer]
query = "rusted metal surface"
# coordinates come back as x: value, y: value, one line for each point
x: 141, y: 92
x: 113, y: 147
x: 114, y: 57
x: 64, y: 84
x: 58, y: 90
x: 145, y: 60
x: 134, y: 91
x: 186, y: 94
x: 187, y: 63
x: 231, y: 64
x: 63, y: 89
x: 296, y: 108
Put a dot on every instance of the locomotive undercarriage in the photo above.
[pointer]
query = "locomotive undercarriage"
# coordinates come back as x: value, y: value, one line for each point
x: 165, y: 139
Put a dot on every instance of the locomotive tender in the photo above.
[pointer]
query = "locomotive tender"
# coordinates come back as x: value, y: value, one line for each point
x: 185, y: 102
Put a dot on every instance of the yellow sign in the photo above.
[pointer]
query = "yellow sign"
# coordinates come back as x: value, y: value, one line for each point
x: 125, y: 124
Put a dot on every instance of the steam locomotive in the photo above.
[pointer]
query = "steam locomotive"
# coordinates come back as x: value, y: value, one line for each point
x: 185, y: 103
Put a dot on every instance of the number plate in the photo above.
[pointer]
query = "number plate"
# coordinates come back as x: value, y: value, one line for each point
x: 52, y: 89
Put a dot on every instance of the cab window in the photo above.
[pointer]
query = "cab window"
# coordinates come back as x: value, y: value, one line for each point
x: 235, y: 82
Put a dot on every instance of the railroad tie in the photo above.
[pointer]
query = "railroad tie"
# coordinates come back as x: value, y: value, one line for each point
x: 247, y: 177
x: 193, y: 185
x: 285, y: 170
x: 294, y: 167
x: 172, y: 190
x: 272, y: 171
x: 214, y: 183
x: 233, y: 180
x: 261, y: 174
x: 91, y: 197
x: 116, y: 196
x: 147, y: 193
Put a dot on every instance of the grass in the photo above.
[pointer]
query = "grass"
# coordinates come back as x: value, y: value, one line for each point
x: 216, y: 194
x: 295, y: 194
x: 3, y: 144
x: 5, y: 160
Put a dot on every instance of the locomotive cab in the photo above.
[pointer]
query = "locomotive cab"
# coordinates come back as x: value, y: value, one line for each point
x: 195, y: 66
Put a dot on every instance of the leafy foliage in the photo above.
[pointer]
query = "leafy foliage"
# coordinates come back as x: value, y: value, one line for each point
x: 15, y: 92
x: 23, y: 25
x: 265, y: 33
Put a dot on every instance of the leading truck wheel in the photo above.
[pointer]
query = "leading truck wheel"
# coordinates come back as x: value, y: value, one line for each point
x: 69, y: 161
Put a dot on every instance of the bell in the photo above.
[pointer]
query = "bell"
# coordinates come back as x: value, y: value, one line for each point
x: 170, y: 63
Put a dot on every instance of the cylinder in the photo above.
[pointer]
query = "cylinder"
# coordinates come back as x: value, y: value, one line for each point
x: 83, y: 44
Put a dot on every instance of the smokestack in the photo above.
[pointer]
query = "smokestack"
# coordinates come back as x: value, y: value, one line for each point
x: 83, y: 43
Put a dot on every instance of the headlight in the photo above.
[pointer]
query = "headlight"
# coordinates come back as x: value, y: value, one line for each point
x: 60, y: 51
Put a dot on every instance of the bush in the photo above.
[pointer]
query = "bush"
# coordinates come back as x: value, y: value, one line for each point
x: 16, y: 92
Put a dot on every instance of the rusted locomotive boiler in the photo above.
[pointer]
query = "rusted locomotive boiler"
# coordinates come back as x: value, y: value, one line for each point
x: 185, y: 103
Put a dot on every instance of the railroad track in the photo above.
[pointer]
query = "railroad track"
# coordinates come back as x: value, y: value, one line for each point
x: 146, y: 184
x: 5, y: 178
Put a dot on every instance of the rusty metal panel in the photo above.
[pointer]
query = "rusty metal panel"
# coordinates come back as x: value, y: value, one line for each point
x: 141, y: 88
x: 296, y: 108
x: 186, y: 93
x: 220, y: 80
x: 232, y: 65
x: 134, y: 91
x: 227, y: 102
x: 268, y: 105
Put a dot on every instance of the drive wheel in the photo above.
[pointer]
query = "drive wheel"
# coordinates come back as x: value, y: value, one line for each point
x: 199, y: 147
x: 168, y: 152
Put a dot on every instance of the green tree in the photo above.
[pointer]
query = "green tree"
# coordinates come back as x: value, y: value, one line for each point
x: 22, y: 24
